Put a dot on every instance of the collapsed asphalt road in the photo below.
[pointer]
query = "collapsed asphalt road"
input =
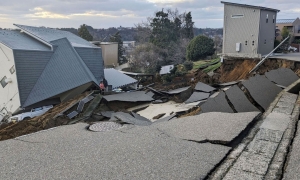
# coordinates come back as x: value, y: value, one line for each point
x: 164, y: 150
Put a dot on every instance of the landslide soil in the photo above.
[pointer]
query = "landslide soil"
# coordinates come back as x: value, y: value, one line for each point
x: 46, y: 121
x: 231, y: 70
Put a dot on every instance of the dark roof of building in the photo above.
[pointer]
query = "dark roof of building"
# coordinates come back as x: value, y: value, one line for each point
x: 64, y: 71
x: 16, y: 40
x: 117, y: 79
x: 249, y: 6
x: 47, y: 63
x: 49, y: 34
x: 285, y: 21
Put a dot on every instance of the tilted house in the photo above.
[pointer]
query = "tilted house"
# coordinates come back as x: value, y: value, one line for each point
x: 249, y: 31
x: 43, y: 66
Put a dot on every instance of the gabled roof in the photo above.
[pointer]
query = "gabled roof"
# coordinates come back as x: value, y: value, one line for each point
x: 117, y: 79
x: 285, y: 21
x: 16, y: 40
x: 47, y: 64
x: 48, y: 35
x: 64, y: 71
x: 249, y: 6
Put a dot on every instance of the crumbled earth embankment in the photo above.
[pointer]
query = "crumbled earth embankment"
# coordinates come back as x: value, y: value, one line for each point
x: 46, y: 121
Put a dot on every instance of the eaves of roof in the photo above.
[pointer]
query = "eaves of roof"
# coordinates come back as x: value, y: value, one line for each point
x: 250, y: 6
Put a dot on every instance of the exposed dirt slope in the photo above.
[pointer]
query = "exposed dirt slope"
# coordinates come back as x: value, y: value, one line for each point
x: 236, y: 70
x: 46, y: 121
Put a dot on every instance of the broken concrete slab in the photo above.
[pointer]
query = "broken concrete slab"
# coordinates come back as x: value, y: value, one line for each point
x: 214, y: 94
x: 159, y: 116
x: 213, y: 127
x: 150, y: 93
x: 227, y: 84
x: 276, y: 121
x: 138, y: 108
x: 217, y: 104
x: 72, y: 114
x: 132, y: 120
x: 140, y: 154
x: 282, y: 76
x: 89, y: 110
x: 168, y: 108
x: 239, y: 100
x: 168, y: 118
x: 137, y: 116
x: 107, y: 114
x: 137, y: 96
x: 113, y: 115
x: 197, y: 96
x: 83, y: 102
x: 203, y: 87
x: 177, y: 91
x: 262, y: 90
x: 156, y: 91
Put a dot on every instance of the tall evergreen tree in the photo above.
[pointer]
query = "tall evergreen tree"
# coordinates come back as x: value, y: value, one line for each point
x: 188, y: 29
x: 84, y: 33
x: 164, y: 30
x: 118, y: 38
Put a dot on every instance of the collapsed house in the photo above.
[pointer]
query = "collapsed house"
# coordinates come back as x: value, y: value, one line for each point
x: 42, y: 66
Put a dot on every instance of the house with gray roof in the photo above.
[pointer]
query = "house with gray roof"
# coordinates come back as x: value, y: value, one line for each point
x: 43, y: 66
x: 292, y: 25
x: 249, y: 31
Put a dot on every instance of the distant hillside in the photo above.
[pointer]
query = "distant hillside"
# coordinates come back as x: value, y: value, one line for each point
x: 128, y: 33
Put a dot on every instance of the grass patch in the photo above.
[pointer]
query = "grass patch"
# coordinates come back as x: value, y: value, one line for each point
x: 204, y: 64
x: 212, y: 67
x: 197, y: 64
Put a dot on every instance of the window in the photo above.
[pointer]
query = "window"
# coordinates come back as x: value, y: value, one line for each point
x: 252, y: 43
x: 273, y: 19
x: 3, y: 82
x: 246, y: 42
x: 265, y: 41
x: 267, y: 18
x: 12, y: 69
x: 237, y: 16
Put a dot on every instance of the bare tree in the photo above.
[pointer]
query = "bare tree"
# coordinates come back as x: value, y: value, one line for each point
x: 145, y: 57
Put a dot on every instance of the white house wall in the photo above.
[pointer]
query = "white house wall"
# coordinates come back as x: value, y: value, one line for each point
x: 9, y: 95
x: 240, y: 30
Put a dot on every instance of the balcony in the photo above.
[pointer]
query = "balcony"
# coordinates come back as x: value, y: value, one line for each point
x: 297, y: 34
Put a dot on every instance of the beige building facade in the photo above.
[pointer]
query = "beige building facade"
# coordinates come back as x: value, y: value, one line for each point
x: 109, y: 53
x: 293, y: 26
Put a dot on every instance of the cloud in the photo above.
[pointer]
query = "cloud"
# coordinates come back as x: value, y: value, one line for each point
x: 39, y: 12
x: 109, y: 13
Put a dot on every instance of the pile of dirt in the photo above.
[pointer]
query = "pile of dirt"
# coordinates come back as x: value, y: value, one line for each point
x: 46, y: 121
x: 233, y: 70
x: 271, y: 64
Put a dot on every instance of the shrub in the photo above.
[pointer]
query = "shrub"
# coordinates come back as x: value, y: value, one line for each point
x: 188, y: 65
x: 167, y: 78
x: 199, y: 48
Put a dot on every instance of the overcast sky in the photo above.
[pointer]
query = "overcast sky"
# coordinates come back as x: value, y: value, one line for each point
x: 126, y: 13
